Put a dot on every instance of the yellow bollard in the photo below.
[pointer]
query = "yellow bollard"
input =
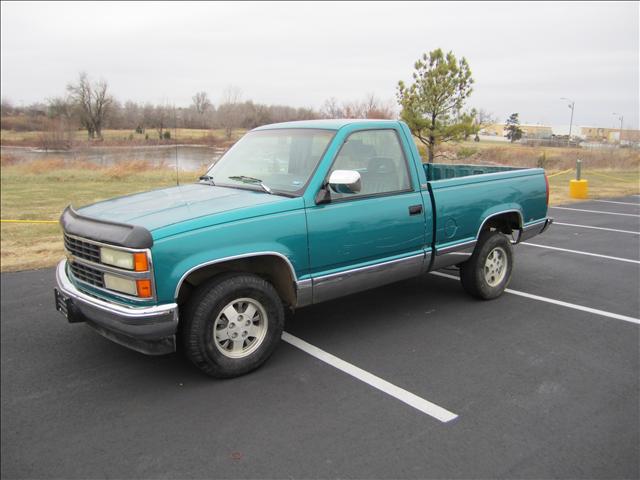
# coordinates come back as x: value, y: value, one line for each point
x: 579, y: 188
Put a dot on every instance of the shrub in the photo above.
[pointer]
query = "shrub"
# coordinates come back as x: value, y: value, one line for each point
x: 542, y: 160
x: 466, y: 152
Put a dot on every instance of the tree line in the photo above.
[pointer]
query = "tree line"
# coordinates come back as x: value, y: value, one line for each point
x: 89, y: 105
x: 433, y: 105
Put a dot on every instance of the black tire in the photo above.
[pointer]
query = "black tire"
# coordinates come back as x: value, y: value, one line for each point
x: 472, y: 272
x: 203, y: 348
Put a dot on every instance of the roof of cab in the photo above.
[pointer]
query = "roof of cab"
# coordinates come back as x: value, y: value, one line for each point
x: 326, y: 124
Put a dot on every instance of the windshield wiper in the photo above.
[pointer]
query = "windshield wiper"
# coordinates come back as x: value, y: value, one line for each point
x: 252, y: 180
x: 208, y: 179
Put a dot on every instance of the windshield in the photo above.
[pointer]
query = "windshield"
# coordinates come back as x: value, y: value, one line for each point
x: 281, y: 159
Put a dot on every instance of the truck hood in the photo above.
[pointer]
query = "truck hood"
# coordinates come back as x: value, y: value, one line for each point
x: 168, y: 206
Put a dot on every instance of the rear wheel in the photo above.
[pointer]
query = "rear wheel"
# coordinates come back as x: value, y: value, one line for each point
x: 488, y: 272
x: 232, y: 325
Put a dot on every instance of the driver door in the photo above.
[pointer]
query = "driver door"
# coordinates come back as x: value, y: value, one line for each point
x: 368, y: 238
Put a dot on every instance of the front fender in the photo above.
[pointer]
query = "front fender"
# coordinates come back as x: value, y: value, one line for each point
x: 282, y: 234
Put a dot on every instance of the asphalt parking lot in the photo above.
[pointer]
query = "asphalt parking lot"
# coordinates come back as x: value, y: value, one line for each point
x: 543, y: 382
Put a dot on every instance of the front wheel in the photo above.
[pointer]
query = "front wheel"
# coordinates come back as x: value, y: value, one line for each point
x: 488, y: 272
x: 232, y: 325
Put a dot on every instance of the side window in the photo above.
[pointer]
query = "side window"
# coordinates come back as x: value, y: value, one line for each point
x: 378, y: 156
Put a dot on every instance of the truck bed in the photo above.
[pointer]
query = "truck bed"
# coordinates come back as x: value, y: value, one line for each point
x: 444, y: 171
x: 464, y: 196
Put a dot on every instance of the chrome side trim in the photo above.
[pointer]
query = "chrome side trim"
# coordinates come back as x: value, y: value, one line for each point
x: 534, y: 224
x: 66, y: 287
x: 513, y: 210
x: 453, y: 255
x: 457, y: 247
x: 339, y: 284
x: 460, y: 252
x: 235, y: 257
x: 463, y: 246
x: 304, y: 295
x: 534, y: 229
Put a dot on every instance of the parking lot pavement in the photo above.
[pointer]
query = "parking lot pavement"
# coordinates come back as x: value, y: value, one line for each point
x: 600, y: 242
x: 576, y: 214
x: 588, y: 281
x: 540, y: 390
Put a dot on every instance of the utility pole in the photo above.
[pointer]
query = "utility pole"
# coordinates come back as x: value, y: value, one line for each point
x: 621, y: 118
x: 571, y: 106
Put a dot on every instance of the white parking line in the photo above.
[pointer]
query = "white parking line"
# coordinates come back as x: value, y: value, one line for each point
x: 618, y: 203
x: 573, y: 306
x: 401, y: 394
x: 597, y: 211
x: 595, y: 228
x: 581, y: 253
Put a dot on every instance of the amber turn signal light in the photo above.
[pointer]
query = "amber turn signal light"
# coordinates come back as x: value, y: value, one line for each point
x: 140, y: 262
x: 144, y: 288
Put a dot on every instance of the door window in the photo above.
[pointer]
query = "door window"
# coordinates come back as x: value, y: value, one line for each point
x: 377, y: 155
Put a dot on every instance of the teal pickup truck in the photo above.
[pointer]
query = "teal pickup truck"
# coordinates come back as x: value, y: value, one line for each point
x: 294, y: 214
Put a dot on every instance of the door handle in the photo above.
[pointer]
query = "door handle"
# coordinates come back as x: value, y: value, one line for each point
x: 415, y: 209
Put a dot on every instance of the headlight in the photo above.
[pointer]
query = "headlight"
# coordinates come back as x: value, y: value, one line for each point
x: 119, y: 284
x: 130, y: 261
x: 117, y: 258
x: 137, y: 288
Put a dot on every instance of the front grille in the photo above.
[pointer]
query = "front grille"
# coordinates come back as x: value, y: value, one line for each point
x: 81, y: 249
x: 87, y: 274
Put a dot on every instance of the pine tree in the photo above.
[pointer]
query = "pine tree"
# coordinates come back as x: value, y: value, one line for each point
x: 514, y: 132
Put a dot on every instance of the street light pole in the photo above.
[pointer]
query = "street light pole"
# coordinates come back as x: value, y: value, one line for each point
x: 571, y: 106
x: 621, y: 118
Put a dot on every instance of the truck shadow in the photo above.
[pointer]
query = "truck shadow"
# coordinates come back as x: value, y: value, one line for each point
x: 401, y: 305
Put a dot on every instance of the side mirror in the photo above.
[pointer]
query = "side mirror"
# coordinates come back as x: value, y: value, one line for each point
x: 345, y: 181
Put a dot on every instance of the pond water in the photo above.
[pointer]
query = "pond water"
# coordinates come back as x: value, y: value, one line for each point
x: 189, y: 157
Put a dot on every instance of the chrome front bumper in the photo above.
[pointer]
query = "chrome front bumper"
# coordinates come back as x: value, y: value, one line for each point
x: 149, y: 330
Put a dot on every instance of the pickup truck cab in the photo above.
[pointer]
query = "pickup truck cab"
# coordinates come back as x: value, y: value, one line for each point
x: 293, y: 214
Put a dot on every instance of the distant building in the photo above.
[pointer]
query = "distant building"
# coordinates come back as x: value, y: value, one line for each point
x: 528, y: 130
x: 536, y: 131
x: 610, y: 135
x: 588, y: 134
x: 595, y: 134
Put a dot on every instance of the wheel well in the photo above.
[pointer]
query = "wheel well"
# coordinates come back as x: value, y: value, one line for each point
x: 272, y: 268
x: 504, y: 222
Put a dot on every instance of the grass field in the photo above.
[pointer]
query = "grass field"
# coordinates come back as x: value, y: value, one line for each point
x: 40, y: 191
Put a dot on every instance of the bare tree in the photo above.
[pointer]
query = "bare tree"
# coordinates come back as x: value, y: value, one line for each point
x: 7, y: 107
x: 369, y: 107
x: 229, y: 110
x: 331, y: 109
x: 372, y: 107
x: 482, y: 120
x: 201, y: 104
x: 161, y: 118
x: 133, y: 116
x: 59, y: 107
x: 92, y: 103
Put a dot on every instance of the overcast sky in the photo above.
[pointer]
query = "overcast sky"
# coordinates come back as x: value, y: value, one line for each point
x: 524, y: 56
